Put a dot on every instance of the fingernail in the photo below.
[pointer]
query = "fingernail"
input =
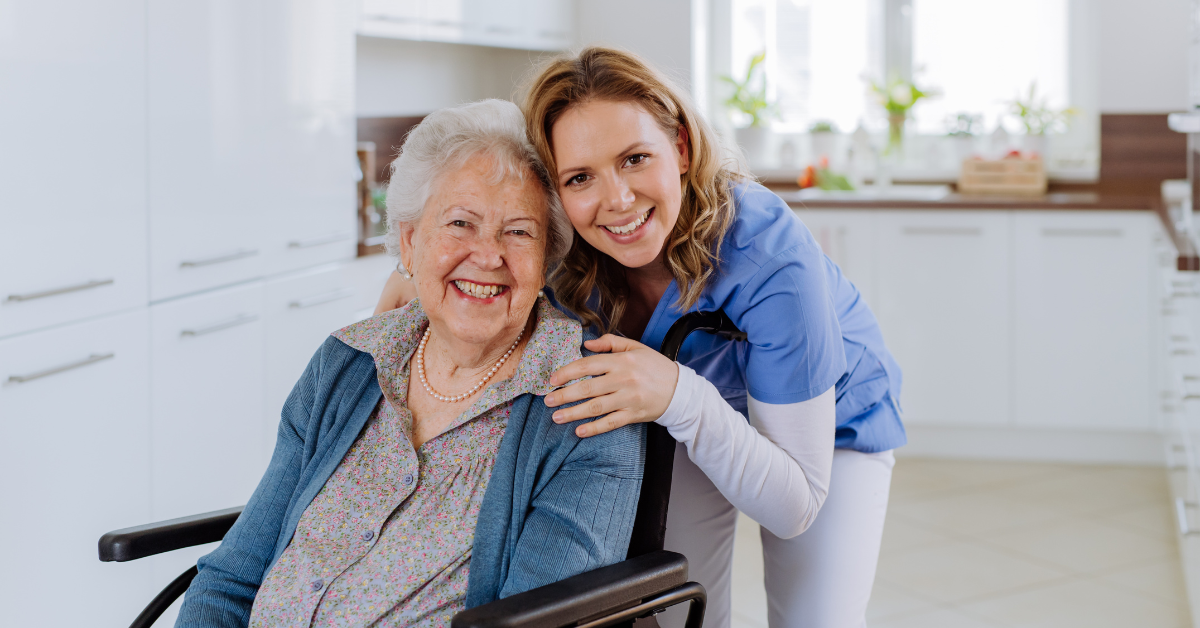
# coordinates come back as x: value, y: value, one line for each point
x: 557, y: 416
x: 551, y: 400
x: 581, y: 432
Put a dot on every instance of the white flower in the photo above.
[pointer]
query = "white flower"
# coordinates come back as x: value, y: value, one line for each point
x: 901, y: 94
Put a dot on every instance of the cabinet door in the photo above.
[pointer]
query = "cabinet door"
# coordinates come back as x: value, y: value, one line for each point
x: 945, y: 307
x: 301, y: 311
x: 550, y: 24
x: 72, y: 160
x: 75, y: 458
x: 307, y: 88
x: 848, y: 238
x: 207, y: 146
x: 207, y: 392
x: 1082, y: 325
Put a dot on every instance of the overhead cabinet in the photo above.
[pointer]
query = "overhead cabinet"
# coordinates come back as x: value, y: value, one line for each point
x: 523, y: 24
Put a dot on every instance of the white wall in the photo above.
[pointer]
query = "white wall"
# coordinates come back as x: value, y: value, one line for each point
x: 1143, y: 55
x: 405, y: 78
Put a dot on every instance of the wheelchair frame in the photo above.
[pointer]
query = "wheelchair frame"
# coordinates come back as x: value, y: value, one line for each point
x: 649, y: 581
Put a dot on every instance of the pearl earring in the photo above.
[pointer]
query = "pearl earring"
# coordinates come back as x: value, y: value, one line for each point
x: 404, y: 274
x: 541, y: 294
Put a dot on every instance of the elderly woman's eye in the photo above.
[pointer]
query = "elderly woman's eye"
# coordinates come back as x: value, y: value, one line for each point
x: 458, y: 223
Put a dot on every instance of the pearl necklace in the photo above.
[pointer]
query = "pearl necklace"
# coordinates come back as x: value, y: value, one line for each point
x: 440, y: 397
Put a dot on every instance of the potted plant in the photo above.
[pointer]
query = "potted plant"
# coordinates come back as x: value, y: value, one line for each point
x: 962, y: 128
x: 897, y: 98
x: 749, y: 100
x: 824, y: 136
x: 1032, y: 110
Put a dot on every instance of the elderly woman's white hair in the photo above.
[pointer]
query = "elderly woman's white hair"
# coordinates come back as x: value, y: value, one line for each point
x: 445, y: 140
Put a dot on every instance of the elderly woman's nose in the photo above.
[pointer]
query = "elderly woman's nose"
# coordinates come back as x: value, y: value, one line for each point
x: 487, y: 252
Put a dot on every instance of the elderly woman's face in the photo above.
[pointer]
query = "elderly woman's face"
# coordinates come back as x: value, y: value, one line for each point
x: 477, y: 254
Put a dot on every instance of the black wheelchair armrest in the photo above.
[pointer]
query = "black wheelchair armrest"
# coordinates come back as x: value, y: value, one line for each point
x: 608, y: 594
x: 165, y: 536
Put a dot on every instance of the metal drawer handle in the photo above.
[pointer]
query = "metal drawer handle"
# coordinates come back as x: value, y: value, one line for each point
x: 335, y: 295
x: 1085, y: 233
x: 240, y: 319
x: 29, y: 296
x: 228, y: 257
x: 91, y: 359
x: 949, y: 231
x: 311, y: 242
x: 1181, y: 507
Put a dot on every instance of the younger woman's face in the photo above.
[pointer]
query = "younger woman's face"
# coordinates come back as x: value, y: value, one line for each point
x: 619, y: 178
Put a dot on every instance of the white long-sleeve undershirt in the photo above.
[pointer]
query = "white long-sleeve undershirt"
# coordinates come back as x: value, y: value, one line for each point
x: 774, y: 468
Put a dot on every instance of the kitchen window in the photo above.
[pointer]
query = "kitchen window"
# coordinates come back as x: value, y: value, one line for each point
x: 978, y: 55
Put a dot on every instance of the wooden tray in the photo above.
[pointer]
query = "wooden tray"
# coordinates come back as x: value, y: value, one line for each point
x: 1012, y: 176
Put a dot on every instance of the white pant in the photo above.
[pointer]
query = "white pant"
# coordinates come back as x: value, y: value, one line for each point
x: 820, y: 579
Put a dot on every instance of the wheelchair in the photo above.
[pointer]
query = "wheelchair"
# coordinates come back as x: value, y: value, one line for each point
x: 648, y: 582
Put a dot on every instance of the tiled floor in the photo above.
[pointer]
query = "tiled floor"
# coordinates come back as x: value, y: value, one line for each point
x: 999, y: 545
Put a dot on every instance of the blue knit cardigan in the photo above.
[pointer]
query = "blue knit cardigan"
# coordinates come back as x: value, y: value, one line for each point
x: 556, y: 505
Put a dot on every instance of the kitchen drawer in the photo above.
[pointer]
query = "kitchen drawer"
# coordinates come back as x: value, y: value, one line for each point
x: 75, y: 457
x: 206, y: 400
x: 1082, y: 320
x: 944, y: 302
x: 301, y: 311
x: 73, y: 163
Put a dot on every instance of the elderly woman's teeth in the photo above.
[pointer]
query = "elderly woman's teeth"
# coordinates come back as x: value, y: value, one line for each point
x: 631, y: 227
x: 477, y: 290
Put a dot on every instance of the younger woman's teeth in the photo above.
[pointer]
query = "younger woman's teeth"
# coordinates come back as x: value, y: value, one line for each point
x: 631, y: 227
x: 477, y: 290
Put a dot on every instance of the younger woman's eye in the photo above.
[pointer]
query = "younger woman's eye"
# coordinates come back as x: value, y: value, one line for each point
x: 636, y: 160
x: 578, y: 179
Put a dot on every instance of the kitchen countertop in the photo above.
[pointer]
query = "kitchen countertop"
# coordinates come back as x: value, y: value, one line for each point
x: 1188, y: 258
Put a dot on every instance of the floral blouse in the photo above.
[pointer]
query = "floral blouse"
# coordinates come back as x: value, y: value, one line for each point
x: 387, y: 541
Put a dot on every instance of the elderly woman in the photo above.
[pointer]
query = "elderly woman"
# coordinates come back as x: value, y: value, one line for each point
x: 417, y: 470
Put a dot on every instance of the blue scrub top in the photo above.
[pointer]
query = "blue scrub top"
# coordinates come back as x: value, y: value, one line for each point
x: 807, y: 327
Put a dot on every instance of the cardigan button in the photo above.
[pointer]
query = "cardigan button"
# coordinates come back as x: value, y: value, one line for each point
x: 408, y: 479
x: 317, y: 585
x: 367, y: 535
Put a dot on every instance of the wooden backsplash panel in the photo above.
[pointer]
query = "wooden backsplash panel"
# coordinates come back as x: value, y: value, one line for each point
x: 388, y: 135
x: 1138, y: 152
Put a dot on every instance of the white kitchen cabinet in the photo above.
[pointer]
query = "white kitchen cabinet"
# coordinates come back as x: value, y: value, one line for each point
x: 74, y: 409
x: 307, y: 87
x: 300, y: 312
x: 945, y: 307
x: 73, y: 161
x: 208, y: 146
x: 1082, y: 319
x: 847, y: 236
x: 207, y: 400
x: 522, y: 24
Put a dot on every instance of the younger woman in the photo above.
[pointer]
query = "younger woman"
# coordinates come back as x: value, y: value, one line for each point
x: 667, y: 226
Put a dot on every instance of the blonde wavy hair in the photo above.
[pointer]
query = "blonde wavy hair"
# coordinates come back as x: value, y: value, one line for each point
x: 692, y: 251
